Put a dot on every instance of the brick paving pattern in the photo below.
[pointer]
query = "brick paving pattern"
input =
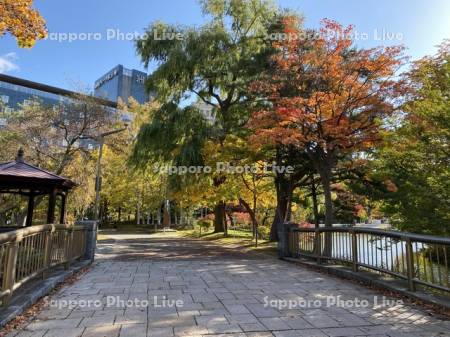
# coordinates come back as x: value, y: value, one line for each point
x: 220, y: 292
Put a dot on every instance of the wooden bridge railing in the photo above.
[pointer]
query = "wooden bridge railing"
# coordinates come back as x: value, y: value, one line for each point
x: 30, y: 252
x: 418, y: 259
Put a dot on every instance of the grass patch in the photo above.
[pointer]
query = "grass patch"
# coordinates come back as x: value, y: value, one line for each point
x: 242, y: 239
x: 102, y: 237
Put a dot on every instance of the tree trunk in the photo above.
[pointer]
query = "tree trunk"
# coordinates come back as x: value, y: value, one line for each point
x: 104, y: 211
x: 280, y: 213
x: 325, y: 176
x: 175, y: 216
x: 282, y: 190
x: 315, y: 204
x: 166, y: 218
x: 288, y: 215
x: 181, y: 217
x: 225, y: 222
x: 219, y: 218
x: 326, y: 182
x: 138, y: 214
x: 323, y: 163
x: 230, y: 217
x: 253, y: 217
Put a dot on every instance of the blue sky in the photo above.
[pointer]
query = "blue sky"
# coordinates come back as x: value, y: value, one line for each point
x: 419, y: 25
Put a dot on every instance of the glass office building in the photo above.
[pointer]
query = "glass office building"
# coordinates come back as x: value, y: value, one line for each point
x: 124, y: 83
x: 15, y: 92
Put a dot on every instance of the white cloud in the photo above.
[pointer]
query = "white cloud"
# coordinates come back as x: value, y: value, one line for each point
x: 8, y: 62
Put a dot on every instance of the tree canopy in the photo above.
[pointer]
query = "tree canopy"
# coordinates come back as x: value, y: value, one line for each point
x: 416, y: 154
x: 22, y: 21
x: 326, y: 97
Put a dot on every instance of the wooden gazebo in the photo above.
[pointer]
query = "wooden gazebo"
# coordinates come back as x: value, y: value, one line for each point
x: 19, y: 177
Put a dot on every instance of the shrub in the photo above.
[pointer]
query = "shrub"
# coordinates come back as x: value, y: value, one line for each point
x: 263, y: 232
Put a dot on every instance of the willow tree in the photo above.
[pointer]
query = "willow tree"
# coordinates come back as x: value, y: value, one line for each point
x: 215, y: 64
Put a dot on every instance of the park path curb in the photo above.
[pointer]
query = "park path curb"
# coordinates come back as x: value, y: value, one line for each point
x: 36, y: 289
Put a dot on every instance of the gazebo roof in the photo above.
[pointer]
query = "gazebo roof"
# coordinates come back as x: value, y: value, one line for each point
x: 19, y: 175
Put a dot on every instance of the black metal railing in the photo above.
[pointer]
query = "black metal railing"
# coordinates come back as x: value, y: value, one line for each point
x: 418, y: 259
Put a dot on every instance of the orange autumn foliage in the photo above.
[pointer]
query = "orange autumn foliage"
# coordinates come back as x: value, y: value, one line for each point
x: 325, y: 93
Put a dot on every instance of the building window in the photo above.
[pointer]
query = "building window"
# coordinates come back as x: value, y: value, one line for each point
x: 4, y: 98
x: 127, y: 72
x: 140, y: 79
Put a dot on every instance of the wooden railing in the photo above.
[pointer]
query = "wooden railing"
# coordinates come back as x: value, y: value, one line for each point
x: 30, y: 252
x: 418, y: 259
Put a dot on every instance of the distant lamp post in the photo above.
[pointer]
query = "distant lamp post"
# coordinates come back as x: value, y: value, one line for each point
x: 98, y: 174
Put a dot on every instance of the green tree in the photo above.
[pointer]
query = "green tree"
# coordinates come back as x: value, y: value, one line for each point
x: 124, y: 189
x: 215, y: 63
x: 415, y: 160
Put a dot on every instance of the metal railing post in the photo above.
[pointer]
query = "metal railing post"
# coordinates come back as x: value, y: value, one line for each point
x: 90, y: 238
x: 296, y: 243
x: 9, y: 278
x: 410, y: 264
x: 283, y: 240
x: 354, y: 250
x: 290, y: 237
x: 318, y: 245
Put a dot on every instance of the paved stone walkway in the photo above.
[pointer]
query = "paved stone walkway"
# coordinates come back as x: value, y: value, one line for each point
x: 179, y: 287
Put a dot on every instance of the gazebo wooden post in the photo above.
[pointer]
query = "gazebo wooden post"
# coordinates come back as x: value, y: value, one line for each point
x: 30, y: 210
x: 51, y: 207
x: 62, y: 216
